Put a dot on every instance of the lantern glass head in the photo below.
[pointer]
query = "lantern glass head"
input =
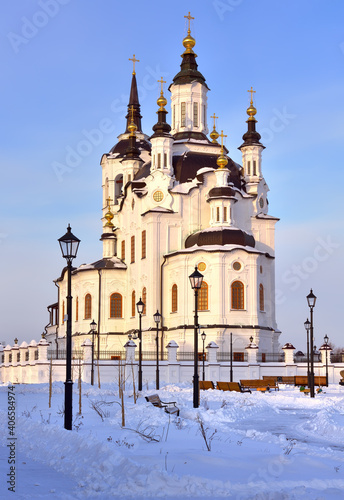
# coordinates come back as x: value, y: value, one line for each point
x: 157, y: 317
x: 311, y: 299
x: 69, y: 244
x: 307, y: 324
x: 251, y: 339
x: 140, y: 306
x: 93, y: 326
x: 326, y: 339
x: 203, y: 336
x: 196, y: 279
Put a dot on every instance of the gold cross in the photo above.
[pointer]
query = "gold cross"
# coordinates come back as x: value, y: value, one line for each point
x: 132, y: 112
x: 134, y: 61
x: 222, y: 136
x: 214, y: 118
x: 252, y: 92
x: 189, y: 18
x: 109, y: 201
x: 161, y: 81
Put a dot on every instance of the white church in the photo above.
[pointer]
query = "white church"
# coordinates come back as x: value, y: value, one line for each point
x: 174, y: 200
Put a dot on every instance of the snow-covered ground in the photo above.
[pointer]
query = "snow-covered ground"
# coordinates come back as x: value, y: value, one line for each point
x: 277, y: 445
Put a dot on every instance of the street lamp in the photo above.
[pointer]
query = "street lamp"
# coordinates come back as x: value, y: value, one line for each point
x: 196, y: 279
x: 140, y: 308
x: 93, y: 328
x: 231, y: 359
x: 157, y: 319
x: 307, y: 324
x: 327, y: 347
x: 203, y: 336
x: 311, y: 299
x: 69, y: 245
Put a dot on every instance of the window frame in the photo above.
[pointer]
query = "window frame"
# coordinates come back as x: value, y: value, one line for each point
x: 237, y: 298
x: 115, y: 299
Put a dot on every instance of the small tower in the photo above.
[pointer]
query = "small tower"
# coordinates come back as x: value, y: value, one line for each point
x: 131, y: 162
x: 161, y: 140
x: 251, y: 150
x: 221, y: 197
x: 189, y: 95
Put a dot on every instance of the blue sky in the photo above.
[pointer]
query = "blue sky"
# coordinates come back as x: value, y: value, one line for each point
x: 66, y: 73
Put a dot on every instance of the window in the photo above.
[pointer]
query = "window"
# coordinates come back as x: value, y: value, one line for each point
x: 254, y: 167
x: 183, y: 114
x: 261, y: 297
x: 116, y: 305
x: 133, y: 303
x: 165, y: 160
x: 174, y: 298
x: 225, y: 214
x: 217, y: 214
x: 237, y: 295
x: 132, y: 250
x: 143, y: 245
x: 88, y: 306
x: 248, y: 168
x: 159, y: 160
x: 203, y: 297
x: 63, y: 311
x: 174, y: 116
x: 195, y: 114
x: 10, y: 358
x: 77, y: 309
x: 204, y: 116
x: 18, y: 357
x: 144, y: 299
x: 36, y: 354
x: 123, y: 250
x: 118, y: 187
x: 27, y: 356
x: 238, y: 356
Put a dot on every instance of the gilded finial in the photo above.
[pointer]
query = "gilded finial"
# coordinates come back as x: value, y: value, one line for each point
x: 214, y: 135
x: 134, y: 61
x: 189, y: 42
x: 109, y: 215
x: 162, y: 101
x: 132, y: 126
x: 222, y: 160
x: 251, y: 110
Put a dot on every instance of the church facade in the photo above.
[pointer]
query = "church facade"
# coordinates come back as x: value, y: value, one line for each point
x: 172, y: 201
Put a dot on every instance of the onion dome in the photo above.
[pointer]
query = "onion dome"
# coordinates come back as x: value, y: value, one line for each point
x: 161, y: 127
x: 220, y: 236
x: 214, y: 135
x: 222, y: 160
x: 251, y: 137
x: 188, y: 69
x: 109, y: 215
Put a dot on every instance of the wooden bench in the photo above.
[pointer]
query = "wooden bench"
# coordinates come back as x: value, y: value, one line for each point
x: 156, y: 401
x: 231, y: 386
x: 279, y: 379
x: 204, y: 385
x: 303, y: 380
x: 254, y: 384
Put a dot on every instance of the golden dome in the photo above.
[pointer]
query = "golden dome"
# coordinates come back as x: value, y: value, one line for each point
x: 109, y: 216
x: 162, y: 101
x: 132, y: 128
x: 251, y: 111
x: 214, y: 135
x: 222, y: 160
x: 189, y: 42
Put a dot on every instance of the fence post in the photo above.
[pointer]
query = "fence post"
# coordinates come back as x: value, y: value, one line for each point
x: 130, y: 347
x: 32, y: 349
x: 43, y: 350
x: 213, y: 368
x: 288, y: 353
x: 173, y: 367
x: 86, y: 360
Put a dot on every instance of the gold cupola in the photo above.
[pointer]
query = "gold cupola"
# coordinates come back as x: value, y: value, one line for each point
x: 251, y: 110
x: 189, y: 42
x: 214, y: 135
x: 222, y: 160
x: 109, y: 215
x: 162, y: 101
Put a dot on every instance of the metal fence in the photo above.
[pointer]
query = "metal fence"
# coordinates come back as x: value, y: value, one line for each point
x: 303, y: 359
x: 237, y: 356
x: 270, y: 357
x: 151, y: 355
x: 62, y: 354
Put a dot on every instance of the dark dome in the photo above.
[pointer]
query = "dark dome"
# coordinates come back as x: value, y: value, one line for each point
x: 221, y: 192
x: 224, y: 236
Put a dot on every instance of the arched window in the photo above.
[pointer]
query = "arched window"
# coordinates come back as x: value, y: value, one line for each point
x: 143, y: 247
x: 144, y: 299
x: 116, y: 305
x: 118, y: 187
x: 174, y: 298
x: 203, y: 297
x: 261, y: 297
x: 237, y: 289
x: 123, y: 250
x: 88, y: 306
x: 132, y: 250
x: 133, y: 303
x: 77, y: 309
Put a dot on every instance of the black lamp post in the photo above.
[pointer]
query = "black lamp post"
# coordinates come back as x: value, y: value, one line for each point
x: 69, y: 247
x: 196, y: 279
x: 311, y: 299
x: 231, y: 359
x: 93, y: 327
x: 140, y: 308
x: 203, y: 336
x: 307, y: 324
x: 326, y: 345
x: 157, y: 319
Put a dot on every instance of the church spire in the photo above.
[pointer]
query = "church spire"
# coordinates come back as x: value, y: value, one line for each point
x: 134, y: 100
x: 251, y: 137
